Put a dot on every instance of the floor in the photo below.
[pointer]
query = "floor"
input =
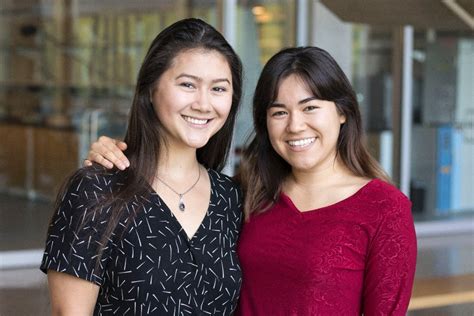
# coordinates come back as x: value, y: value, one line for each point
x: 23, y: 288
x: 23, y: 223
x: 23, y: 226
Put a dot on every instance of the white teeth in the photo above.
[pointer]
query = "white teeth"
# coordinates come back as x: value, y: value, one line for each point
x: 195, y: 121
x: 301, y: 142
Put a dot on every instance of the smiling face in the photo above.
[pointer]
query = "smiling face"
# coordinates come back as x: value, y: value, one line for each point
x: 302, y: 129
x: 193, y: 97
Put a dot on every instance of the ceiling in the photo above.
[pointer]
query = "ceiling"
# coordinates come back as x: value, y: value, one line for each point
x: 418, y: 13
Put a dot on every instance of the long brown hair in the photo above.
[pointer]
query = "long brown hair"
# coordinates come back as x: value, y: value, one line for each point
x: 144, y: 135
x: 263, y: 170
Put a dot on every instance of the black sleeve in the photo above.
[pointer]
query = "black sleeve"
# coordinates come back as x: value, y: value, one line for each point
x: 75, y: 243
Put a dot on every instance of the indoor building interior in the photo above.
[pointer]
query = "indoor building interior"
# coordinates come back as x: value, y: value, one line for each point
x: 67, y: 74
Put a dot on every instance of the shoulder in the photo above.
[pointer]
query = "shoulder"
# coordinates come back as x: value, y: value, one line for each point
x: 95, y: 178
x: 385, y: 197
x: 221, y: 180
x: 382, y: 190
x: 88, y: 186
x: 225, y: 187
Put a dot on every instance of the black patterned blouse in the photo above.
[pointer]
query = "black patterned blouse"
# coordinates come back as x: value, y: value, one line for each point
x: 149, y: 265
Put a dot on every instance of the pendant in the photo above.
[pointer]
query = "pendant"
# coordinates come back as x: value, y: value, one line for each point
x: 181, y: 205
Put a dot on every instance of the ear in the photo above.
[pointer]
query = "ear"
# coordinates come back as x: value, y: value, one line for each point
x: 150, y: 95
x: 342, y: 119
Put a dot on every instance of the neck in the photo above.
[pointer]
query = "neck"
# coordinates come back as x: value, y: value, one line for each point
x: 320, y: 177
x: 178, y: 163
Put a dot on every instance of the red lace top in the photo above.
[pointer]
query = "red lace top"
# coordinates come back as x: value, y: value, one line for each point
x: 356, y: 256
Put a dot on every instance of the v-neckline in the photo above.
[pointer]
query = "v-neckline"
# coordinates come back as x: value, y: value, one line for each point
x: 175, y: 220
x: 319, y: 210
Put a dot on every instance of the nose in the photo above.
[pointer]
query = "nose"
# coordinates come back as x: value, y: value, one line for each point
x: 296, y: 123
x: 202, y: 102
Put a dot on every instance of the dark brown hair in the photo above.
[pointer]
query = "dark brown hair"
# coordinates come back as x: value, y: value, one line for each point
x: 144, y: 135
x: 263, y: 170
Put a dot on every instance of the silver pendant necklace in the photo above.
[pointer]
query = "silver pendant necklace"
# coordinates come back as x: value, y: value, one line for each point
x: 181, y: 205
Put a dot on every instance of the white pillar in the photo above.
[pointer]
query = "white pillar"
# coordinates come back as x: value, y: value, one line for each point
x: 229, y: 30
x: 229, y: 20
x: 407, y: 110
x: 302, y: 25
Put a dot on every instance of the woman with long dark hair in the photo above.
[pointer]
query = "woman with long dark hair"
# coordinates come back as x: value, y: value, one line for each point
x: 325, y: 231
x: 159, y: 237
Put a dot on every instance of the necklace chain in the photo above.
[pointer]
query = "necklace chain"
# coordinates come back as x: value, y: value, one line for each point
x: 181, y: 205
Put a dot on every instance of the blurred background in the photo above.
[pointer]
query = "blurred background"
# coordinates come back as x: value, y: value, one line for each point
x: 67, y: 75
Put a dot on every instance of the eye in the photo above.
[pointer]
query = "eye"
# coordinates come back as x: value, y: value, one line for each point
x: 188, y: 85
x: 277, y: 114
x: 310, y: 108
x: 219, y: 89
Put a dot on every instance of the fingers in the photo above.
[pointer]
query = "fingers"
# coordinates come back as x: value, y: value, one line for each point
x: 121, y: 145
x: 87, y: 163
x: 108, y: 152
x: 98, y: 158
x: 117, y: 147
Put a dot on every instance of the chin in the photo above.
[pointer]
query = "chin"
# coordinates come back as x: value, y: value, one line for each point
x: 197, y: 143
x: 303, y: 165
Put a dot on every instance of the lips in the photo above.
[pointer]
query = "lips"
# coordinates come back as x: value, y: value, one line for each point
x: 195, y: 121
x: 301, y: 142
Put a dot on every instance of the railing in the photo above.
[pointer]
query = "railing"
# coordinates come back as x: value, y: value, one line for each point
x: 442, y: 291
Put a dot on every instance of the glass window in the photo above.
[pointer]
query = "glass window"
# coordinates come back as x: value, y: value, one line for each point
x: 442, y: 150
x: 67, y: 74
x: 442, y: 162
x: 263, y: 28
x: 372, y: 79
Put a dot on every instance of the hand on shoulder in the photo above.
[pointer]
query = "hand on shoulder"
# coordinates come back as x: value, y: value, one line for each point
x: 108, y: 152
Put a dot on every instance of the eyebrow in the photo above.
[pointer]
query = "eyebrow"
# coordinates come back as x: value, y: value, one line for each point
x: 184, y: 75
x: 300, y: 102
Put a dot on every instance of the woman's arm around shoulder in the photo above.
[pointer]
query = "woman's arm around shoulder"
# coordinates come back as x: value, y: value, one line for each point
x: 391, y: 258
x: 108, y: 152
x: 71, y: 295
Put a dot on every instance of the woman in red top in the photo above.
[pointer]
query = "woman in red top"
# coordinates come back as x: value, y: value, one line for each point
x: 325, y: 232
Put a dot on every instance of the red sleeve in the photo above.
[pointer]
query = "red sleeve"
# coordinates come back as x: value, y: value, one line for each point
x: 390, y: 266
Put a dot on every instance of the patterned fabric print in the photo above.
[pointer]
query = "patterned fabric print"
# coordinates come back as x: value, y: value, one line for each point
x: 354, y: 257
x: 149, y: 265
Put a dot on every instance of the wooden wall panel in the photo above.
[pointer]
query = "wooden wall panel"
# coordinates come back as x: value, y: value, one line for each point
x: 56, y: 156
x: 13, y: 140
